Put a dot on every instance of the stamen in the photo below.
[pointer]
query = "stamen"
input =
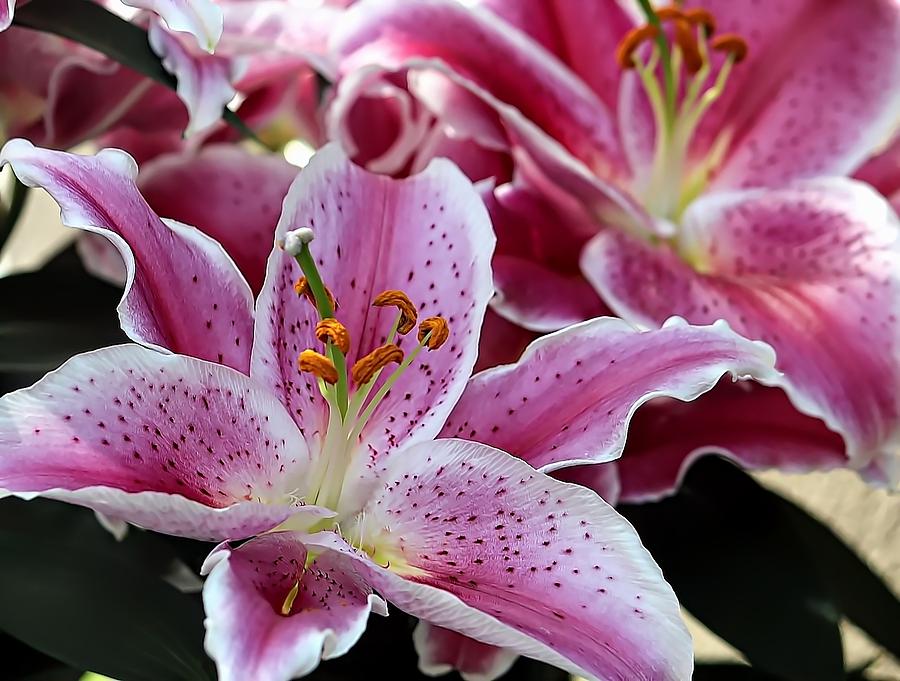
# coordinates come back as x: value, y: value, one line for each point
x: 289, y: 599
x: 669, y: 14
x: 318, y: 364
x: 684, y: 38
x: 434, y: 332
x: 331, y: 330
x: 366, y: 367
x: 302, y: 289
x: 731, y: 43
x: 698, y: 16
x: 402, y: 302
x: 633, y: 40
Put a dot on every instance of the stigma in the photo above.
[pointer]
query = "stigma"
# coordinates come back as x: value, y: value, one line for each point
x: 695, y: 64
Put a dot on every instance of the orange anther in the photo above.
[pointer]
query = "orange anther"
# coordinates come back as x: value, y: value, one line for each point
x: 731, y: 43
x: 434, y: 332
x: 698, y: 16
x: 366, y: 367
x: 685, y: 39
x: 669, y: 13
x: 318, y: 364
x: 301, y: 288
x: 402, y: 302
x: 331, y: 330
x: 633, y: 40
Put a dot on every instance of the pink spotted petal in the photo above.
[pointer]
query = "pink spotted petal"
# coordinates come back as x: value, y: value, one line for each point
x: 428, y: 235
x: 492, y: 55
x: 201, y: 18
x: 246, y: 633
x: 166, y: 442
x: 442, y: 650
x: 827, y: 67
x: 204, y: 80
x: 583, y: 35
x: 184, y: 293
x: 482, y: 544
x: 226, y: 192
x: 570, y: 397
x: 811, y: 269
x: 753, y: 425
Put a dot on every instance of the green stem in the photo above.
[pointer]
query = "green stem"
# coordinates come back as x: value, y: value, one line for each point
x: 665, y: 57
x: 323, y: 305
x: 13, y: 213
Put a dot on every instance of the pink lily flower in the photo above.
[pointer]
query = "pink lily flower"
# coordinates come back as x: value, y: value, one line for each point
x: 206, y: 428
x: 722, y: 201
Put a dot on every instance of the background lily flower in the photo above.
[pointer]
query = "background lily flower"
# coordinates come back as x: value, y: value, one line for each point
x: 58, y: 93
x: 712, y: 204
x: 210, y: 431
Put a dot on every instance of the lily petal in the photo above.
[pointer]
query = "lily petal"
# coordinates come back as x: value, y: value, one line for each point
x: 442, y: 650
x: 248, y: 633
x: 481, y: 543
x: 204, y: 81
x: 571, y: 396
x: 882, y: 171
x: 829, y: 67
x: 226, y: 192
x: 494, y: 56
x: 811, y: 269
x: 167, y: 442
x: 536, y: 271
x: 201, y: 18
x: 428, y: 235
x: 583, y: 35
x: 6, y: 13
x: 753, y: 425
x: 502, y: 342
x: 183, y: 293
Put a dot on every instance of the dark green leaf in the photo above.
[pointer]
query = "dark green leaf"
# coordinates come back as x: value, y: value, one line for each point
x: 68, y: 589
x: 10, y: 217
x: 91, y: 24
x: 49, y: 315
x: 861, y: 595
x: 57, y: 673
x: 730, y: 552
x: 18, y: 661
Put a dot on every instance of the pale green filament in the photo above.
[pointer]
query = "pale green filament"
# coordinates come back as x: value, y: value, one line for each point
x: 348, y: 414
x: 670, y: 188
x: 663, y: 46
